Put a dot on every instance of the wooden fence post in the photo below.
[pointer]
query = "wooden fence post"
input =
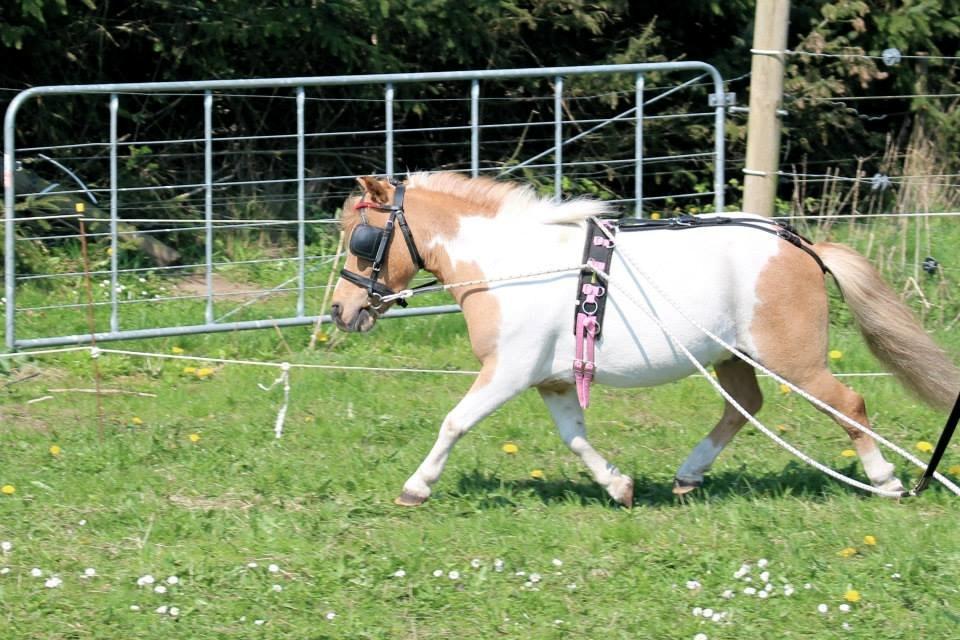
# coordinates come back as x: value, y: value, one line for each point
x: 766, y: 94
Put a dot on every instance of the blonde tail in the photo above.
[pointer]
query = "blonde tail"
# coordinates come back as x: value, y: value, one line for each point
x: 890, y: 328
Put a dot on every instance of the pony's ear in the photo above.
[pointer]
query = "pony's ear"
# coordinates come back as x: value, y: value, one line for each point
x: 379, y: 189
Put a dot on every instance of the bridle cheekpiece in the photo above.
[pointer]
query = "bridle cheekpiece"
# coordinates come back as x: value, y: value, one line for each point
x: 371, y: 243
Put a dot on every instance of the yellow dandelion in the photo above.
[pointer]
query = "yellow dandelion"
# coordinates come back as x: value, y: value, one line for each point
x: 322, y: 336
x: 924, y: 446
x: 869, y: 540
x: 135, y: 420
x: 176, y: 350
x: 204, y: 372
x: 80, y: 207
x: 848, y: 453
x: 189, y: 370
x: 954, y: 470
x: 54, y: 450
x: 846, y: 552
x: 109, y: 251
x: 8, y: 489
x: 655, y: 215
x: 835, y: 354
x: 510, y: 448
x: 194, y: 438
x: 785, y: 389
x: 852, y: 595
x: 783, y: 428
x: 537, y: 474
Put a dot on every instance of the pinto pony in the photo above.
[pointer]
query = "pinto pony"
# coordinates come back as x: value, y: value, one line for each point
x: 755, y: 291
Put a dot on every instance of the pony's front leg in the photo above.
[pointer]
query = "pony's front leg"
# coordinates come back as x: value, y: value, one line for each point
x: 568, y: 416
x: 485, y: 396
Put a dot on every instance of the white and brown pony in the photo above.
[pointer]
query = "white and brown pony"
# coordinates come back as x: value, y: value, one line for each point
x: 757, y: 292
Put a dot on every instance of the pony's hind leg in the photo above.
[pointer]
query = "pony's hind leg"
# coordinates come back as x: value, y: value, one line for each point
x: 739, y: 380
x: 827, y: 388
x: 568, y: 416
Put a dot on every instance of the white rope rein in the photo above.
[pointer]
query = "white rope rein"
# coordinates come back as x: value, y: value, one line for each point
x: 407, y: 293
x: 746, y: 414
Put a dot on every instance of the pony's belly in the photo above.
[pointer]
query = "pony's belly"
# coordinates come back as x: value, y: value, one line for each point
x: 655, y: 361
x: 654, y: 371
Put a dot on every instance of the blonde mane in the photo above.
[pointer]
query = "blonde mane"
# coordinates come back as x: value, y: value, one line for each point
x: 508, y: 198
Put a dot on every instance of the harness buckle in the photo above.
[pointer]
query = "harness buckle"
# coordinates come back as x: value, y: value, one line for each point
x: 601, y: 241
x: 590, y: 305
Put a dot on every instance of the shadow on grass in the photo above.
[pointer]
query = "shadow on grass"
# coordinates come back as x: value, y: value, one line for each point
x: 794, y: 480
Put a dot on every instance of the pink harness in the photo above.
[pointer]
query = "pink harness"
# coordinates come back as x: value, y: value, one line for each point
x: 591, y: 300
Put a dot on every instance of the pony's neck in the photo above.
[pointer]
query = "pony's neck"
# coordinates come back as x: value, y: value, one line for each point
x: 435, y: 219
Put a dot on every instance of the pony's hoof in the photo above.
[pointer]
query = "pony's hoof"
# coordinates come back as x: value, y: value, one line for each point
x: 682, y: 487
x: 409, y: 500
x: 893, y: 484
x: 621, y: 490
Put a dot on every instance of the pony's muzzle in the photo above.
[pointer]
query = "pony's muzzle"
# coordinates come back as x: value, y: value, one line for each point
x: 362, y: 321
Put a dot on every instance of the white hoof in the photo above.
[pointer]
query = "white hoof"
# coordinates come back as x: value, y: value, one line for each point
x: 893, y: 484
x: 621, y: 490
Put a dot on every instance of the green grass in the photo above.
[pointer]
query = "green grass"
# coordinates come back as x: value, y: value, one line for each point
x: 131, y: 499
x: 318, y: 503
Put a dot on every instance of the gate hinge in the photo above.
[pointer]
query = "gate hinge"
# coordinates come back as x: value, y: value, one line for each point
x: 729, y: 99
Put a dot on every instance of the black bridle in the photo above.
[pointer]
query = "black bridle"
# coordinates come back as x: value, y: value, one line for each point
x: 371, y: 243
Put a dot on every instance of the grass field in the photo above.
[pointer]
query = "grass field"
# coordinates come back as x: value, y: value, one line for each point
x: 250, y: 536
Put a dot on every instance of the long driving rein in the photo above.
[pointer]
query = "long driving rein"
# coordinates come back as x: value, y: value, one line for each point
x: 371, y: 243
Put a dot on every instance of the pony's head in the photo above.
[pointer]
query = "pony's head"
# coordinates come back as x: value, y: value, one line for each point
x: 378, y: 264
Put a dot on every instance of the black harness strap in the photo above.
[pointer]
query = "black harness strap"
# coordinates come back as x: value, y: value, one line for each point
x: 598, y: 253
x: 776, y: 227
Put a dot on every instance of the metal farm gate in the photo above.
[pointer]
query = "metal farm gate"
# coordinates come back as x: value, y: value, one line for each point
x: 151, y: 187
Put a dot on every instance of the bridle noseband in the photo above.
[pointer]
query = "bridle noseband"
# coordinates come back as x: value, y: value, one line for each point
x: 371, y: 243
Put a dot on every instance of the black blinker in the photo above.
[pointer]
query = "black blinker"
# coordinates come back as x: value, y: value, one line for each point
x: 365, y: 241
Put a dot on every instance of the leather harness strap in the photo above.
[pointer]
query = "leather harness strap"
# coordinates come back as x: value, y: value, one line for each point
x: 591, y: 302
x: 597, y: 257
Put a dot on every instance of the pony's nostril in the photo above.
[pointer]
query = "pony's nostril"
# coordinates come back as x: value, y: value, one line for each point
x: 335, y: 310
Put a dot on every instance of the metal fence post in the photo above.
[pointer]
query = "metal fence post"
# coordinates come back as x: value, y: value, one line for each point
x: 301, y: 206
x: 114, y: 240
x: 388, y: 98
x: 208, y: 196
x: 475, y: 128
x: 638, y: 148
x: 558, y: 138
